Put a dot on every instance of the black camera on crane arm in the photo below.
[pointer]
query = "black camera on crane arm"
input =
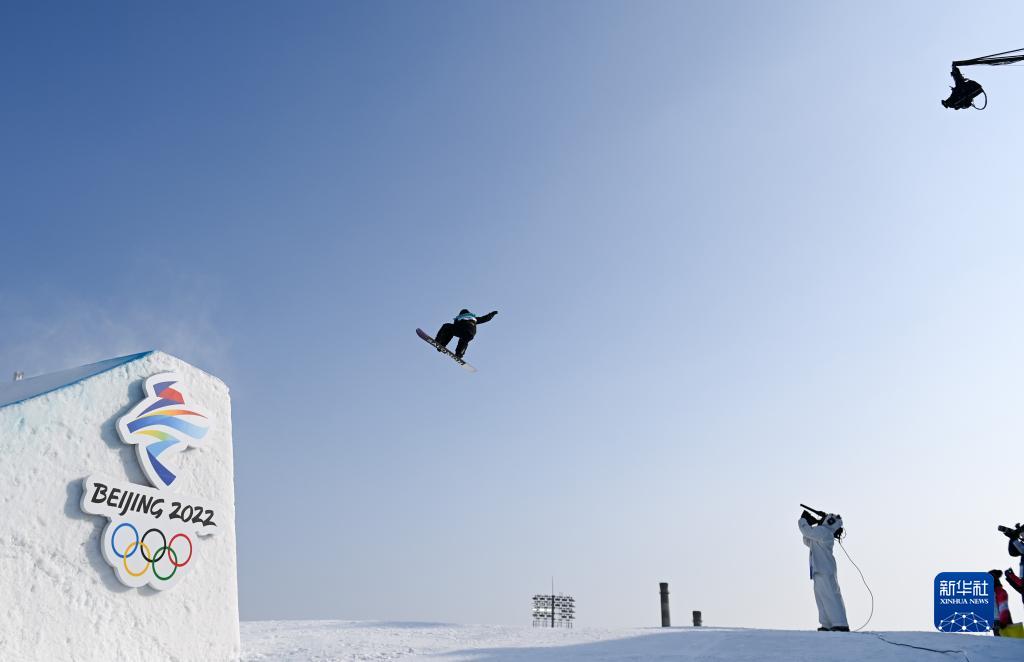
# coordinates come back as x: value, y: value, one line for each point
x: 965, y: 91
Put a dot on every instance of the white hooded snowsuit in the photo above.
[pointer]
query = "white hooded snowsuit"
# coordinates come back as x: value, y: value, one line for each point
x: 820, y: 539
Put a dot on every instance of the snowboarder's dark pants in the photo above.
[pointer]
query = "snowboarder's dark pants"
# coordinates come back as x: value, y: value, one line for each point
x: 463, y: 330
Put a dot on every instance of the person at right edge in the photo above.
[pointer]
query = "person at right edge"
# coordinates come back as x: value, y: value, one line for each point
x: 1002, y: 613
x: 1016, y: 549
x: 820, y: 535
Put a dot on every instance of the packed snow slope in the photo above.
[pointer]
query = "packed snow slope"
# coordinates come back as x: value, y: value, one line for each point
x: 324, y: 641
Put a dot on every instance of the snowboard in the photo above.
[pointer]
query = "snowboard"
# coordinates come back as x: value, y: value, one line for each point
x: 422, y: 334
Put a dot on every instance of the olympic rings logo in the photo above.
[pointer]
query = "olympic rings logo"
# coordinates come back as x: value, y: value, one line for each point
x: 150, y: 559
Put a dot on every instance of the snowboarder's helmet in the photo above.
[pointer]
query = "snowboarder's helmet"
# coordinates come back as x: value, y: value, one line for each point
x: 464, y: 312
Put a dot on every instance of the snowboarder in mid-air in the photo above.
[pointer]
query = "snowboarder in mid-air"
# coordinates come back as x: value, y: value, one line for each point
x: 462, y: 327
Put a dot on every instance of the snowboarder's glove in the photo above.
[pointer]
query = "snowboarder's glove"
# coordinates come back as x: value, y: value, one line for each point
x: 809, y: 517
x: 494, y: 312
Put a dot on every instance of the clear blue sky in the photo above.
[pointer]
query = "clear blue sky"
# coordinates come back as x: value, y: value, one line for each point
x: 742, y: 256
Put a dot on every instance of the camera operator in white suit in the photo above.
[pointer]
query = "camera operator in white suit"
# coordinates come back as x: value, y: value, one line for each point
x: 820, y: 535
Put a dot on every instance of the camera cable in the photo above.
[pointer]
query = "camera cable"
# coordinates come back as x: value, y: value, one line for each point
x: 872, y: 613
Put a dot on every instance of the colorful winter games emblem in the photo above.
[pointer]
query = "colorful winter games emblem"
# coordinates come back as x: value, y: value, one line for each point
x: 964, y: 601
x: 160, y: 426
x: 151, y: 532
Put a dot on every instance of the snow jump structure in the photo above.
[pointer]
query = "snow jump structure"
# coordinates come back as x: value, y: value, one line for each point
x: 117, y: 534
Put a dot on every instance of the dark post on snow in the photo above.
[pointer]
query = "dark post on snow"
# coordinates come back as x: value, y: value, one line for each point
x: 666, y: 620
x: 696, y: 619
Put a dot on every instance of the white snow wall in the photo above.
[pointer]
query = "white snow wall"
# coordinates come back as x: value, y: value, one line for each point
x: 59, y: 599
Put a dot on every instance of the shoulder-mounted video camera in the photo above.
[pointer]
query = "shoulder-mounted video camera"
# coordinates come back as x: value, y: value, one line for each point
x: 1014, y: 534
x: 823, y: 518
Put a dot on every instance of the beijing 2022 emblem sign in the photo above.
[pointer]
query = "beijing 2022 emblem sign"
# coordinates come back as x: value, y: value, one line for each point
x: 151, y: 533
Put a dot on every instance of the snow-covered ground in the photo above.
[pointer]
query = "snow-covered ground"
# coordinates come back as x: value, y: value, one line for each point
x: 322, y: 641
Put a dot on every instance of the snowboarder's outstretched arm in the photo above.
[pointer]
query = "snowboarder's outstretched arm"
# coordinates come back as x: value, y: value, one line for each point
x: 487, y: 317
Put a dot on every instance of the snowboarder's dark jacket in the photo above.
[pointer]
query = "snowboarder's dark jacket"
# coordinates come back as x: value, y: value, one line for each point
x: 465, y: 323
